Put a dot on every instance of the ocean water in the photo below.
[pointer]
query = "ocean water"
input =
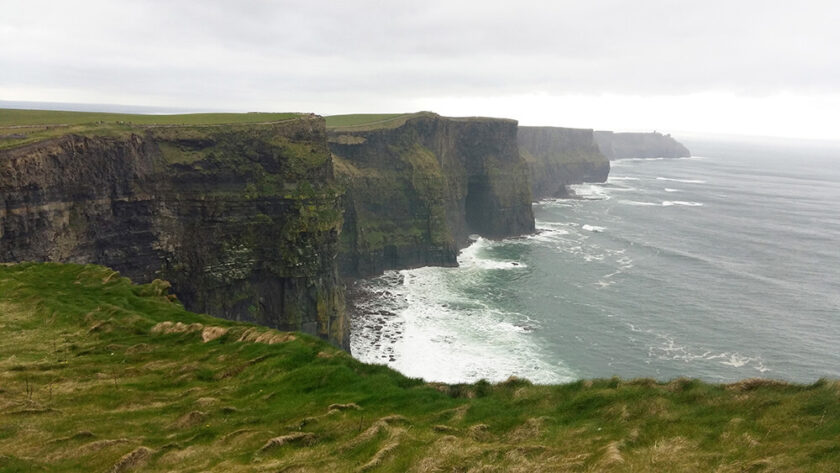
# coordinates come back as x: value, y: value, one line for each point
x: 722, y: 266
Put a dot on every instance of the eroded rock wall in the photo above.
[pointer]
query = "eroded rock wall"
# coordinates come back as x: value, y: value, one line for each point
x: 416, y: 192
x: 244, y: 220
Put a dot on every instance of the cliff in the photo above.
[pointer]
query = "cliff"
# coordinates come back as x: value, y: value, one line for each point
x: 243, y: 219
x: 558, y: 157
x: 418, y: 185
x: 639, y: 145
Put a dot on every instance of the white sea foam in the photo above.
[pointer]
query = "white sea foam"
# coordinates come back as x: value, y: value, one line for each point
x: 686, y: 181
x: 589, y: 257
x: 619, y: 188
x: 593, y: 228
x: 556, y: 203
x: 669, y: 349
x: 622, y: 178
x: 547, y: 232
x: 509, y: 327
x: 589, y: 191
x: 622, y: 161
x: 635, y: 160
x: 471, y: 257
x: 545, y: 225
x: 547, y: 235
x: 440, y: 333
x: 624, y: 262
x: 641, y: 204
x: 668, y: 189
x: 669, y: 203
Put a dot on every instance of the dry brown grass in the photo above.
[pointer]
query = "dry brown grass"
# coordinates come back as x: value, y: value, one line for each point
x: 380, y: 456
x: 344, y: 407
x: 305, y: 438
x: 532, y: 428
x: 190, y: 419
x: 211, y: 333
x: 444, y: 429
x: 269, y: 337
x: 480, y: 433
x: 168, y: 327
x: 132, y: 460
x: 612, y: 455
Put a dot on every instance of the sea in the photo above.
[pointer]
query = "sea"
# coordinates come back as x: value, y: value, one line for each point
x: 721, y: 267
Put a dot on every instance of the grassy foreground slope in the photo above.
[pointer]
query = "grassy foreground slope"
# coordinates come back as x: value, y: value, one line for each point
x: 98, y: 374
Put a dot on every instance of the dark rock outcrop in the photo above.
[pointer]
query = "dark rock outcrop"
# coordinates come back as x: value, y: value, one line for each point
x: 639, y: 145
x: 558, y: 157
x: 417, y: 188
x: 244, y: 220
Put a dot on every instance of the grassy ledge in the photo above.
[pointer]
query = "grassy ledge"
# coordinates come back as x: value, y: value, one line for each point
x: 99, y: 374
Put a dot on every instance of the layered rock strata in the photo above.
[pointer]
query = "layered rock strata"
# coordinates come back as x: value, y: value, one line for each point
x: 418, y: 187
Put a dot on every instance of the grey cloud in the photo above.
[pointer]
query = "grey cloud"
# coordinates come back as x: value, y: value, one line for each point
x: 240, y: 51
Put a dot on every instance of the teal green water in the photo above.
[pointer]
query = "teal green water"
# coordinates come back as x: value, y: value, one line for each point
x: 721, y: 267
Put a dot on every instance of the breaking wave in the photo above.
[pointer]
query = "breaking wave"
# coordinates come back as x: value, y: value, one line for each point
x: 686, y: 181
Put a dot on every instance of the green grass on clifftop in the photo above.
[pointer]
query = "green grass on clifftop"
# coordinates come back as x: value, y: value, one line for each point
x: 370, y: 121
x: 21, y: 127
x: 98, y: 374
x: 11, y: 117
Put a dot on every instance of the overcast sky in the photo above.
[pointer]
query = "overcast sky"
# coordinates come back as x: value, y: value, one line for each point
x: 742, y: 67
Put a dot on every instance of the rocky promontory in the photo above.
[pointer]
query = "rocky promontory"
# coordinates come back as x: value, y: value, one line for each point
x: 639, y: 145
x: 419, y: 185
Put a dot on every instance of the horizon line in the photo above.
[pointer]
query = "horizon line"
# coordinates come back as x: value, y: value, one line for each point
x: 163, y: 110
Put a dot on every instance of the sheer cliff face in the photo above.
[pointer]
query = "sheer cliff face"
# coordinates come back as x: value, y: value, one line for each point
x: 415, y: 192
x: 558, y: 157
x: 242, y: 219
x: 639, y: 145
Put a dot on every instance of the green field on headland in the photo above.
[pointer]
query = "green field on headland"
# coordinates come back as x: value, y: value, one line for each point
x: 99, y: 374
x: 9, y: 117
x: 369, y: 121
x: 19, y: 127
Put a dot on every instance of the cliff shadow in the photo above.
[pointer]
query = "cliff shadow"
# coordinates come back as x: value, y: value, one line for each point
x: 478, y: 206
